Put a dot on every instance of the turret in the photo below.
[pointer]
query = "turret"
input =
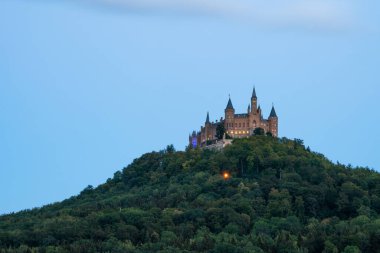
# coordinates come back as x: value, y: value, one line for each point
x: 249, y: 109
x: 259, y: 110
x: 273, y: 122
x: 254, y: 101
x: 207, y: 127
x: 229, y: 111
x: 193, y: 140
x: 208, y: 118
x: 229, y: 114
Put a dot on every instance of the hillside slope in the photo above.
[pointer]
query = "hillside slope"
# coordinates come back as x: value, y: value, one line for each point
x: 280, y: 197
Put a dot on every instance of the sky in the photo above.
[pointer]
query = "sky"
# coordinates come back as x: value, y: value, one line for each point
x: 88, y: 86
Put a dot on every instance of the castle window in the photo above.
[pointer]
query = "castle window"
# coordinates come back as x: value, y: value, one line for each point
x: 243, y: 124
x: 239, y: 124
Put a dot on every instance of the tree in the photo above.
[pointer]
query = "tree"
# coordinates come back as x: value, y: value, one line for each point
x: 259, y: 131
x: 351, y: 249
x: 330, y: 248
x: 279, y: 203
x: 170, y: 149
x: 299, y: 207
x: 220, y: 130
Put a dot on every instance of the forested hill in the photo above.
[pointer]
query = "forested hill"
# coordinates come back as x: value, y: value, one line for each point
x: 281, y: 197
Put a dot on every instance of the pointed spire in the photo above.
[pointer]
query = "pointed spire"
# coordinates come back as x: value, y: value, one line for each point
x: 273, y: 113
x: 229, y: 104
x: 249, y: 107
x: 254, y: 92
x: 208, y: 118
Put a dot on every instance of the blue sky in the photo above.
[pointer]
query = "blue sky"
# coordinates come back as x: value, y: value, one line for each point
x: 87, y: 86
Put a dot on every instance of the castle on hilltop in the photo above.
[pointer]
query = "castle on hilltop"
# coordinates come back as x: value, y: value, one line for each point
x: 236, y: 125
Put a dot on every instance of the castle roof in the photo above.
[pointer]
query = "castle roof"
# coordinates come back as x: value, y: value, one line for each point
x: 273, y: 113
x: 208, y: 118
x: 254, y: 92
x: 241, y: 115
x: 229, y: 104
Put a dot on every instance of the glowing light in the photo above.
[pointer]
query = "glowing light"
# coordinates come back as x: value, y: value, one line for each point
x: 226, y: 175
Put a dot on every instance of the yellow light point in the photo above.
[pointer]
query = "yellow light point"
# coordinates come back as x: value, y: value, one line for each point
x: 226, y: 175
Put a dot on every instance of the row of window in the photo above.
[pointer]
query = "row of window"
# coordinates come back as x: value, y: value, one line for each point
x: 238, y: 132
x: 238, y: 125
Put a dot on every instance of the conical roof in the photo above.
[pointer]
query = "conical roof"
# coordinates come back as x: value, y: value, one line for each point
x: 208, y: 118
x: 229, y: 104
x: 254, y: 92
x: 273, y: 113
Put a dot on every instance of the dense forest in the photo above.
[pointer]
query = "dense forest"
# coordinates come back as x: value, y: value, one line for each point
x: 279, y: 197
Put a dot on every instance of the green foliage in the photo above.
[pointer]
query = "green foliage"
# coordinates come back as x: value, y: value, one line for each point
x: 259, y: 131
x: 220, y: 131
x: 281, y: 197
x: 170, y: 148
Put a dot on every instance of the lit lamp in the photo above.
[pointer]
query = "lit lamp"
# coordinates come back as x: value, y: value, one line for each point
x: 226, y: 175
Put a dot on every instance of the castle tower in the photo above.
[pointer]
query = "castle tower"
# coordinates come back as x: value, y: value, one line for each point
x: 207, y: 127
x: 273, y: 122
x: 229, y: 115
x: 207, y: 119
x: 254, y: 101
x: 194, y: 140
x: 229, y: 111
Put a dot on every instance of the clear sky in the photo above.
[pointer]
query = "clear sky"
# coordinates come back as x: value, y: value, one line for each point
x: 87, y: 86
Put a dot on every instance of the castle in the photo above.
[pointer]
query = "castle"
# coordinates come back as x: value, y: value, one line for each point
x: 236, y: 125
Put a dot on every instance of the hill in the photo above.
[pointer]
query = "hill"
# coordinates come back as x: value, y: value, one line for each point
x: 280, y: 197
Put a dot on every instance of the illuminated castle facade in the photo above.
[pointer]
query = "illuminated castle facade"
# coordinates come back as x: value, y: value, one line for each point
x: 236, y: 125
